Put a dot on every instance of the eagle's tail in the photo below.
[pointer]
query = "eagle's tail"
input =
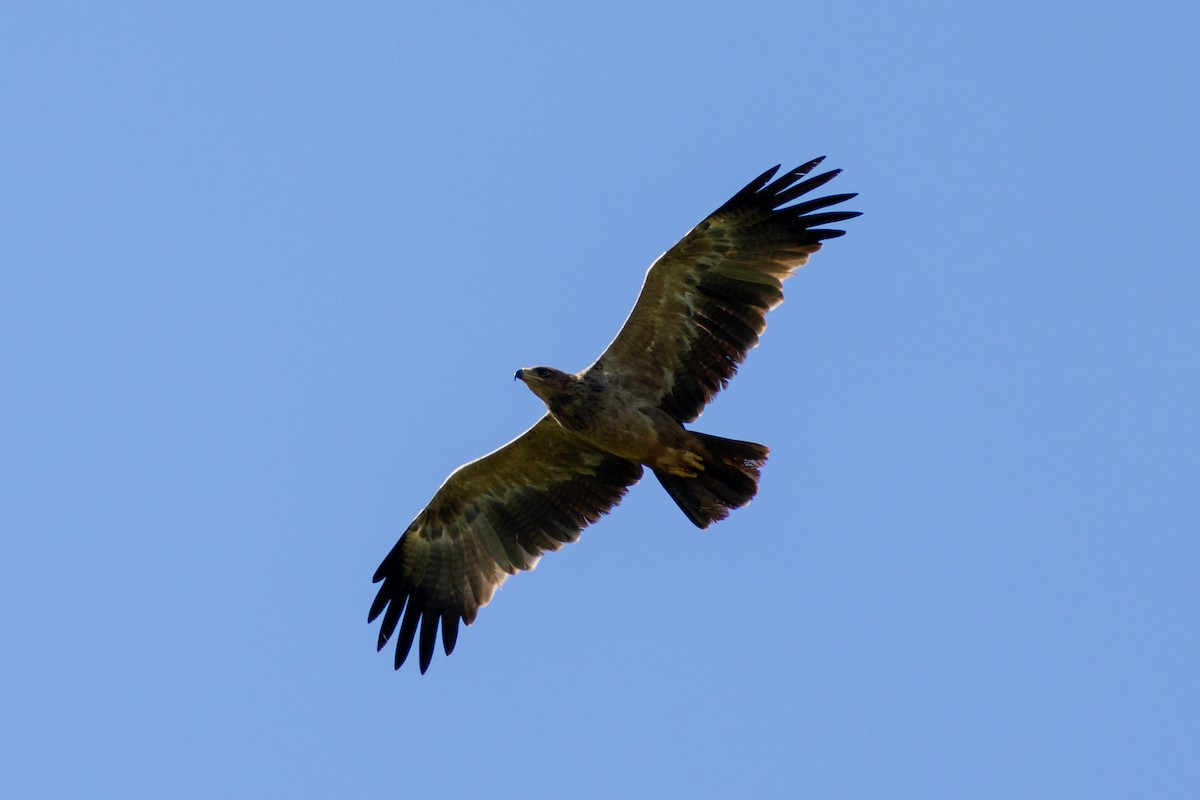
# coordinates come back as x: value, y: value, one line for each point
x: 729, y: 479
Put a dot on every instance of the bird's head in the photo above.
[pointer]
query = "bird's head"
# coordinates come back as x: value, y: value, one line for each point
x: 546, y: 382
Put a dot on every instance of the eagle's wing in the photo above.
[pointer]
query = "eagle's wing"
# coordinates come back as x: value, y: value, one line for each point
x: 704, y: 302
x: 491, y: 518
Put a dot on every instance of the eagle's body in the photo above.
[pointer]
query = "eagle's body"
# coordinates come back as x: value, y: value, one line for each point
x: 607, y: 412
x: 701, y: 309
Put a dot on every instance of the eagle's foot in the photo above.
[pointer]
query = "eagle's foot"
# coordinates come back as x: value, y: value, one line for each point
x: 683, y: 463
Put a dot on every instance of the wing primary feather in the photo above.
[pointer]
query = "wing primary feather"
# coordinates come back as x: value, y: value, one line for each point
x: 818, y: 203
x: 813, y: 220
x: 388, y: 626
x: 387, y: 564
x: 781, y: 184
x: 822, y: 234
x: 749, y: 190
x: 808, y: 167
x: 449, y: 631
x: 792, y: 176
x: 761, y: 181
x: 378, y: 604
x: 408, y: 629
x: 429, y: 628
x: 788, y: 194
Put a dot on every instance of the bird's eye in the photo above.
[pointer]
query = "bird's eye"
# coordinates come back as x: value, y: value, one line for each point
x: 541, y: 372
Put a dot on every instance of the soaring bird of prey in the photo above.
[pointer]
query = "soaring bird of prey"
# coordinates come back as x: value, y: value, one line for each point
x: 701, y: 309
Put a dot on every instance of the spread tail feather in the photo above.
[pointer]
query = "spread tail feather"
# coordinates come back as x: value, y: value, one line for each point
x: 729, y: 479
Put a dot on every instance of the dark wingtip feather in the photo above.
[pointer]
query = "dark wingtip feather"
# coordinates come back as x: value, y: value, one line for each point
x: 753, y: 187
x: 385, y: 565
x: 789, y: 193
x: 818, y: 203
x: 780, y: 186
x: 408, y: 630
x: 822, y: 234
x: 808, y: 167
x: 449, y: 631
x: 388, y: 627
x: 829, y: 217
x: 377, y: 606
x: 429, y: 629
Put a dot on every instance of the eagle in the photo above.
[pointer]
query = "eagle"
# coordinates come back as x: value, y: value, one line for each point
x: 702, y: 307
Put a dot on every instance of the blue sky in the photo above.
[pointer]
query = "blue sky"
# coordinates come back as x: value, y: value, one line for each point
x: 267, y: 272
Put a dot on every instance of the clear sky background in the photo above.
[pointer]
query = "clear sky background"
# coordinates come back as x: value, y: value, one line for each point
x: 267, y: 270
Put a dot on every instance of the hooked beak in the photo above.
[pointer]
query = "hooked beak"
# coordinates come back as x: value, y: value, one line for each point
x: 519, y: 376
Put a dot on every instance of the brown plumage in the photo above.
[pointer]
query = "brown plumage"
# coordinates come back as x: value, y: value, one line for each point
x: 701, y: 309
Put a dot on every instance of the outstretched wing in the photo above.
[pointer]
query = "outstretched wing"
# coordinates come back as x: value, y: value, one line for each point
x: 704, y: 303
x: 491, y: 518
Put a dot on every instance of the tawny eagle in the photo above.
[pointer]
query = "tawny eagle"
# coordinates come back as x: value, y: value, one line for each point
x: 702, y: 308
